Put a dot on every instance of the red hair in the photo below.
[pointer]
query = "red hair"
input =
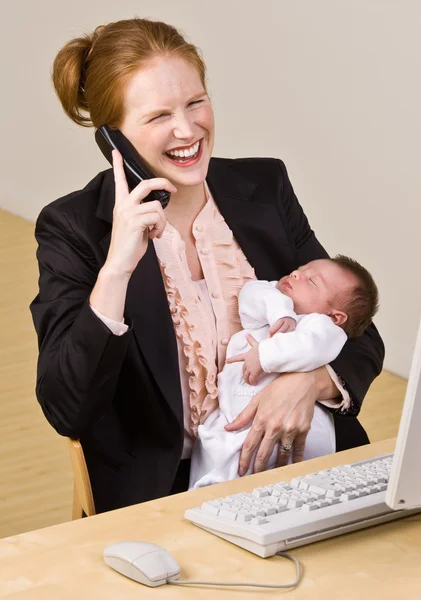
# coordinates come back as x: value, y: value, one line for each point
x: 90, y: 73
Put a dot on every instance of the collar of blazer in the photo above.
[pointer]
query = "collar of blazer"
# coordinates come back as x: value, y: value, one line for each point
x: 258, y: 228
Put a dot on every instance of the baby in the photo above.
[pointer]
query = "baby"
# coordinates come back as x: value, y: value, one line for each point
x: 298, y: 323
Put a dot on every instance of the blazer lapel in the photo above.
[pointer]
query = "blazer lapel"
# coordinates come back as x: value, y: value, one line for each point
x: 254, y: 221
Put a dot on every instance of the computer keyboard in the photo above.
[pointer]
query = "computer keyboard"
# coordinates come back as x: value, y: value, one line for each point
x: 284, y: 515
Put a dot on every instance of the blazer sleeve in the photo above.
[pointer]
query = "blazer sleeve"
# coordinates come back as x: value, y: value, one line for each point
x: 79, y: 358
x: 361, y: 360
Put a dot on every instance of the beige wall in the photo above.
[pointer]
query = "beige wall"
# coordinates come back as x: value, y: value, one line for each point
x: 330, y: 86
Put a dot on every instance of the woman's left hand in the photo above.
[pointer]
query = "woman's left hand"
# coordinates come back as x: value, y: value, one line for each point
x: 281, y: 412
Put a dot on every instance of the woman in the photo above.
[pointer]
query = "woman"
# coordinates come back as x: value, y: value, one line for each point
x: 136, y: 304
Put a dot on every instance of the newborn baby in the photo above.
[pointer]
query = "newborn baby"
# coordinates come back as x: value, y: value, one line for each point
x: 298, y: 323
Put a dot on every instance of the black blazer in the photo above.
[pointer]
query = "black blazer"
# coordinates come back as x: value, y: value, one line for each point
x: 121, y: 396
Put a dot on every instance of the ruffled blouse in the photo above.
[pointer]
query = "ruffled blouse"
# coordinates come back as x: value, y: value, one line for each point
x: 203, y: 322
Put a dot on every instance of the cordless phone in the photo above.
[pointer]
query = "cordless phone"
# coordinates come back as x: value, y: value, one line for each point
x: 110, y: 139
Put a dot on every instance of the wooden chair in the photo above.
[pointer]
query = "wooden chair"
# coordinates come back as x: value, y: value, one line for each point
x: 83, y: 499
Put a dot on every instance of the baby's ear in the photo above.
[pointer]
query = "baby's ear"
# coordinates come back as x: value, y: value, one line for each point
x: 338, y: 317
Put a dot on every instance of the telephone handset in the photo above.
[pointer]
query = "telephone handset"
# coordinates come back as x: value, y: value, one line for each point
x: 110, y: 139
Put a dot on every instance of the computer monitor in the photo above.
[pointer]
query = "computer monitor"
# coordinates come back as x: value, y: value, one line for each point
x: 404, y: 488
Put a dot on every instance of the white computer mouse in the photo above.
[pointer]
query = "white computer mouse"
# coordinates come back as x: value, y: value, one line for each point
x: 146, y: 563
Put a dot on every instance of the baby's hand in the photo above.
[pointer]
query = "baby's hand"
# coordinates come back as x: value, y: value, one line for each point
x: 284, y: 325
x: 252, y: 369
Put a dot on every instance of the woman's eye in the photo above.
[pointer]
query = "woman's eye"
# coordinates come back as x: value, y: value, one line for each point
x: 195, y: 102
x: 158, y: 117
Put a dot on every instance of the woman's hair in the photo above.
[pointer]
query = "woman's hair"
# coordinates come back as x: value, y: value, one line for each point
x: 91, y: 73
x: 363, y: 302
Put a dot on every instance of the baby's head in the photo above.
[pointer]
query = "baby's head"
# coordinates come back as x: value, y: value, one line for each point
x: 338, y: 287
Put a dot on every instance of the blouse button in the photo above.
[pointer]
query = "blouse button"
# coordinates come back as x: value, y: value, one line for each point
x: 199, y: 228
x: 215, y: 295
x: 224, y: 342
x: 204, y: 251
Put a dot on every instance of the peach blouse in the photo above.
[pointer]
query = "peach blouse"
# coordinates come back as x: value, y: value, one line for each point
x: 204, y: 313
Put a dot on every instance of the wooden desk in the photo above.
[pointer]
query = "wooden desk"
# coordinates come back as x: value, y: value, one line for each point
x: 65, y: 561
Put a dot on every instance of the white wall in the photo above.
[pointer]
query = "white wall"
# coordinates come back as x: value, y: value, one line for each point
x: 330, y: 86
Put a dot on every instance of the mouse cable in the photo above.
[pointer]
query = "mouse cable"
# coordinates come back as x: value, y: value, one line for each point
x: 236, y: 584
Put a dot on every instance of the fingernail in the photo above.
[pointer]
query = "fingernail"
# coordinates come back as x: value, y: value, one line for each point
x: 241, y: 471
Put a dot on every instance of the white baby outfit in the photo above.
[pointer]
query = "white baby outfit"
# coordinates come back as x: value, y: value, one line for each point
x: 315, y: 342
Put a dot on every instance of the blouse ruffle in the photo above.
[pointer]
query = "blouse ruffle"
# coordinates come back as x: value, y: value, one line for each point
x: 192, y: 317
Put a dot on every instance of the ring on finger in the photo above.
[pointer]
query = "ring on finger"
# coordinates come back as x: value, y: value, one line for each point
x: 285, y: 447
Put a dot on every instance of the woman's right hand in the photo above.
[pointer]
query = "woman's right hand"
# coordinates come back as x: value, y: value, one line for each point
x: 134, y: 222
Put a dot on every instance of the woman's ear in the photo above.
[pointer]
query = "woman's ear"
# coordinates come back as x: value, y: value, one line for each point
x: 338, y: 317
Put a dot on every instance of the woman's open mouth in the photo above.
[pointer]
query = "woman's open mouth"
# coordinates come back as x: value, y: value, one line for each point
x: 185, y: 156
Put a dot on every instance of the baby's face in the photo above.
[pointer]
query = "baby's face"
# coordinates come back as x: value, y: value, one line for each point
x: 317, y: 287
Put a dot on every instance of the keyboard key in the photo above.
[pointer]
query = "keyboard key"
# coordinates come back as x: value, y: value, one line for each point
x: 295, y: 494
x: 227, y: 514
x: 259, y: 512
x: 282, y: 485
x: 324, y: 503
x: 278, y: 501
x: 316, y: 489
x: 333, y: 493
x: 281, y: 508
x: 368, y: 480
x: 270, y: 510
x: 295, y: 504
x: 227, y: 506
x: 211, y: 508
x: 236, y: 497
x: 348, y: 496
x: 332, y: 501
x: 247, y: 500
x: 380, y: 487
x: 359, y: 484
x: 383, y: 478
x: 260, y: 493
x: 258, y: 521
x: 296, y: 483
x: 318, y: 496
x: 309, y: 507
x: 243, y: 517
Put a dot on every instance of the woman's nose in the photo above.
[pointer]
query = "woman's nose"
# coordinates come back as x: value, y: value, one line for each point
x: 183, y: 129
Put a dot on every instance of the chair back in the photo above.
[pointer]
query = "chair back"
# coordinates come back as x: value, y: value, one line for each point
x: 83, y: 500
